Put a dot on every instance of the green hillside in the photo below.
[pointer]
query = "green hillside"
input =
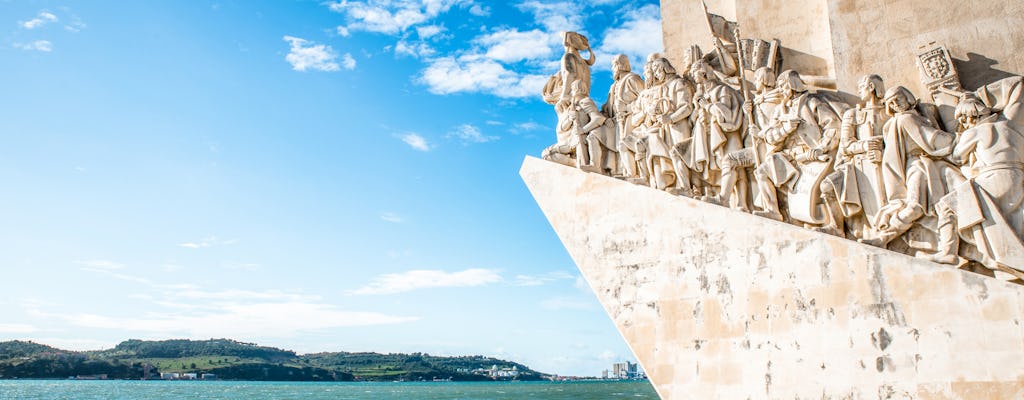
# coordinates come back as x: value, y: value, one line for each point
x: 233, y: 360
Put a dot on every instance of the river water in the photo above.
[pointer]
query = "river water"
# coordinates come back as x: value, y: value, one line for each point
x: 232, y: 390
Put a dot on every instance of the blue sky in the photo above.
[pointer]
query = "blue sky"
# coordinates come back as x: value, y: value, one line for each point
x: 318, y: 176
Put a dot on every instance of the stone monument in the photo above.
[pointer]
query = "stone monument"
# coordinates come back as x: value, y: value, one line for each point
x: 852, y: 230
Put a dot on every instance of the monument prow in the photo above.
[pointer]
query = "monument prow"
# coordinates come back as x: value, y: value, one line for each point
x: 721, y: 304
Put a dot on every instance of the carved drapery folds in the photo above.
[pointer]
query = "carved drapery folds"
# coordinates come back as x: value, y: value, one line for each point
x: 940, y: 179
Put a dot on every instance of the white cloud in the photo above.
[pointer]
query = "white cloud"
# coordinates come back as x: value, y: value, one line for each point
x: 76, y: 25
x: 209, y: 241
x: 43, y: 18
x: 390, y: 16
x: 348, y: 62
x: 17, y: 328
x: 470, y: 134
x: 511, y: 45
x: 265, y: 319
x: 424, y: 279
x: 542, y: 279
x: 447, y: 75
x: 414, y: 49
x: 639, y: 35
x: 343, y: 31
x: 479, y: 10
x: 392, y: 217
x: 556, y: 16
x: 38, y: 45
x: 305, y: 55
x: 429, y: 31
x: 416, y: 141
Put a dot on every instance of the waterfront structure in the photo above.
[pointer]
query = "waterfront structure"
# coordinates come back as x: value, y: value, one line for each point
x: 867, y: 248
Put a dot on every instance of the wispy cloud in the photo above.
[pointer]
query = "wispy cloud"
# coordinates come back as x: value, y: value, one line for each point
x: 416, y: 141
x: 394, y: 16
x: 42, y: 19
x: 305, y: 55
x: 637, y: 36
x: 348, y: 62
x: 425, y: 279
x: 17, y: 328
x: 38, y: 45
x: 209, y: 241
x: 76, y: 25
x: 392, y: 217
x: 266, y: 319
x: 477, y: 74
x: 467, y: 133
x: 542, y: 279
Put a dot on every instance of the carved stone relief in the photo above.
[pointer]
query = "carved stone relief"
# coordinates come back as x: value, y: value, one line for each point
x: 942, y: 180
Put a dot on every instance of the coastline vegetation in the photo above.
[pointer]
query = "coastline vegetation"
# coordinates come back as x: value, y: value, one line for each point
x: 228, y: 359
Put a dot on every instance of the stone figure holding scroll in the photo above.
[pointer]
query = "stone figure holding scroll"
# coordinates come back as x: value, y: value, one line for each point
x: 675, y: 94
x: 801, y: 139
x: 915, y: 172
x: 624, y: 91
x: 855, y: 192
x: 717, y: 125
x: 983, y: 218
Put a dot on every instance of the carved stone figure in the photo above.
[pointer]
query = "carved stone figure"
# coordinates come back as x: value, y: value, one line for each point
x: 985, y: 213
x: 624, y: 91
x: 717, y: 125
x: 801, y: 139
x: 854, y: 192
x: 662, y: 124
x: 573, y: 66
x: 577, y: 118
x: 914, y: 171
x: 675, y: 94
x: 736, y: 164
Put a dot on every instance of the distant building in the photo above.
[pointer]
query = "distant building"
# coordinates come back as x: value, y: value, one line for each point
x: 209, y: 377
x: 626, y: 370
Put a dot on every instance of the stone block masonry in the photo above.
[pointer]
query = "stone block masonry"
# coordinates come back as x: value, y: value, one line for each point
x: 719, y: 304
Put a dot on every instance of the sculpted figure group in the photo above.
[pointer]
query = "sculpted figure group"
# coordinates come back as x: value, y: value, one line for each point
x: 887, y: 171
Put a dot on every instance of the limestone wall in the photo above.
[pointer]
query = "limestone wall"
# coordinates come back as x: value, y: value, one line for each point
x: 718, y: 304
x: 849, y: 38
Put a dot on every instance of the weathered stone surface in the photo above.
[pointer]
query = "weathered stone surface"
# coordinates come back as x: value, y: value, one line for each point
x: 718, y: 304
x: 846, y: 39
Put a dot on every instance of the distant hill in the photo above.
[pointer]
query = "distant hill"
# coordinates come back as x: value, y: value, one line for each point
x: 233, y: 360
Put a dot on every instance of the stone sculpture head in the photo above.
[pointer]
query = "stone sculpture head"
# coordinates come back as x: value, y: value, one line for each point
x: 970, y: 110
x: 764, y: 78
x: 898, y: 100
x: 790, y: 84
x: 662, y: 69
x: 701, y: 72
x: 620, y: 66
x: 870, y: 87
x: 648, y: 74
x: 574, y: 41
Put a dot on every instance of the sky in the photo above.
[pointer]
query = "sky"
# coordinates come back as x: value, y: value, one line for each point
x: 315, y: 176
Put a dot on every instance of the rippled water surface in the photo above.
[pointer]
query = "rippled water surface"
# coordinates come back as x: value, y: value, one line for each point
x: 224, y: 390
